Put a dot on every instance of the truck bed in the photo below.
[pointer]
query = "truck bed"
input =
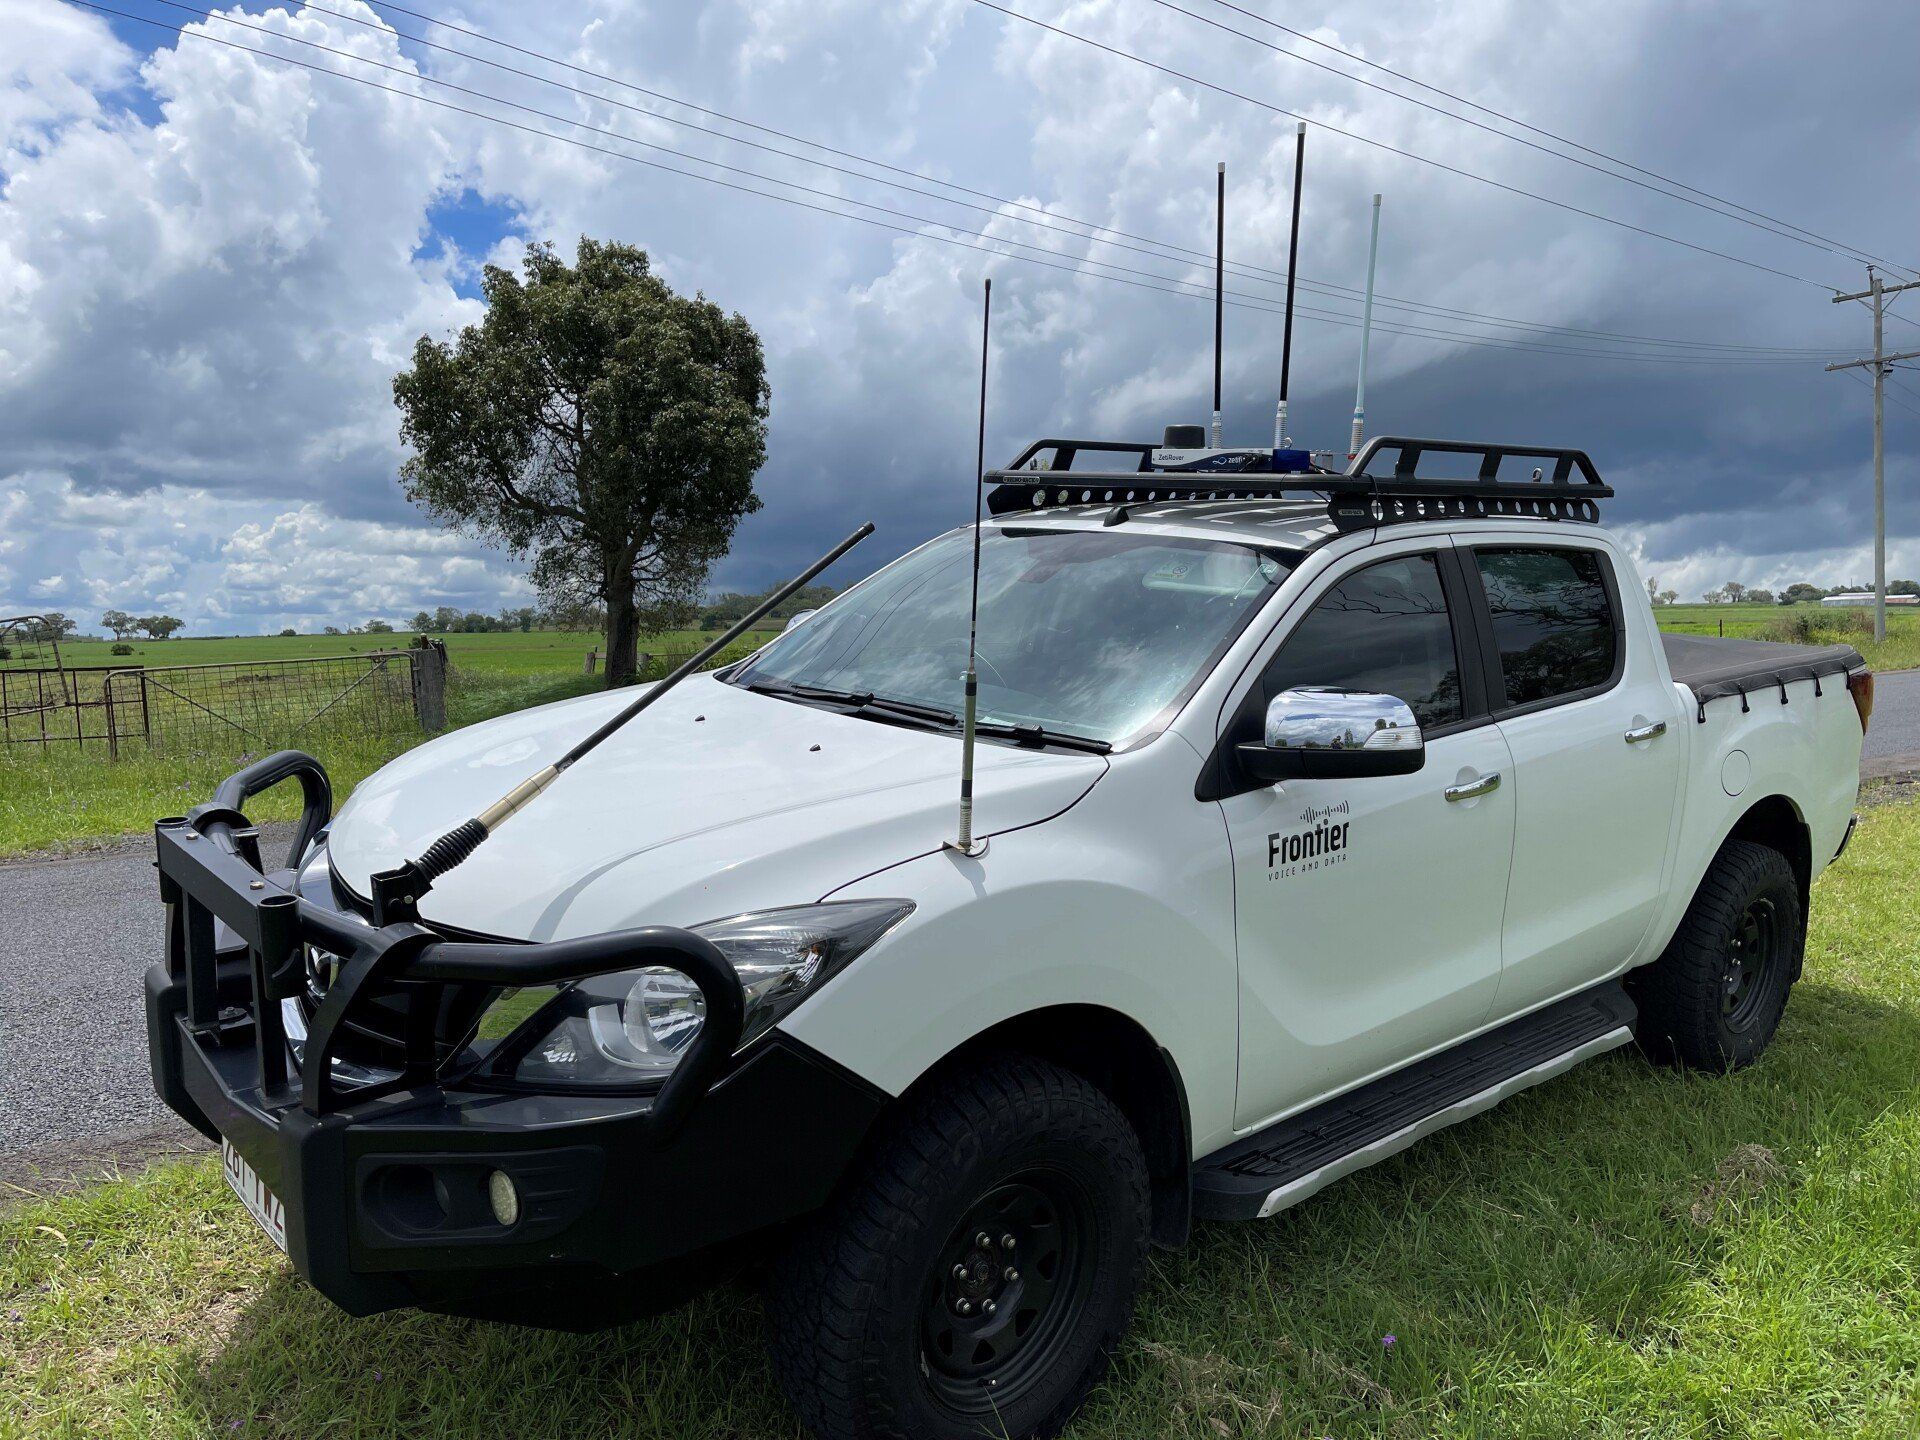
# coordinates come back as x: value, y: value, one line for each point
x: 1713, y: 667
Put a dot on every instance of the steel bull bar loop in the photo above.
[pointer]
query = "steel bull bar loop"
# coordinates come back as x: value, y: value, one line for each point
x: 210, y: 871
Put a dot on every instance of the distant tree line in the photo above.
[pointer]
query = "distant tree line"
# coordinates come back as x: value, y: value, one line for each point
x: 154, y: 627
x: 1799, y: 593
x: 733, y: 606
x: 448, y: 621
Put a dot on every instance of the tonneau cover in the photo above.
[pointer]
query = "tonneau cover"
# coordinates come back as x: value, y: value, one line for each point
x: 1713, y: 667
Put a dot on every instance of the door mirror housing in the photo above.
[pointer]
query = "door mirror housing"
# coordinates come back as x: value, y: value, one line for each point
x: 1320, y: 733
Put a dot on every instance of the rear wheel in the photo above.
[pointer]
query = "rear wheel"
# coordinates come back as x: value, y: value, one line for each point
x: 1714, y: 999
x: 973, y: 1277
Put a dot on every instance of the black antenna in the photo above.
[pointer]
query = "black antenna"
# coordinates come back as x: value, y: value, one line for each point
x: 1293, y: 264
x: 966, y: 844
x: 397, y: 892
x: 1219, y: 286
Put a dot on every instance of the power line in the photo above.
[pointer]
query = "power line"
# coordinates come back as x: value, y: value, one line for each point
x: 1192, y: 290
x: 1910, y: 409
x: 1401, y: 75
x: 1252, y: 272
x: 1397, y: 150
x: 1771, y: 229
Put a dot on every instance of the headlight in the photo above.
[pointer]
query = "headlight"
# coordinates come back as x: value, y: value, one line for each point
x: 632, y: 1027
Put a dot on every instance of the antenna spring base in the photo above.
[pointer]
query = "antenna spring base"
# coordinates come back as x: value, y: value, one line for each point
x: 450, y: 849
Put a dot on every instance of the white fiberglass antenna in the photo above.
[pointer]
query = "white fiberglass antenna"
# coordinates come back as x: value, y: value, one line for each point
x: 966, y: 844
x: 1366, y: 334
x: 1280, y: 441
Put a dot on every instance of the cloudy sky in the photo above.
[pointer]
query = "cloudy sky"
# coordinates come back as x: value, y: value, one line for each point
x: 212, y: 260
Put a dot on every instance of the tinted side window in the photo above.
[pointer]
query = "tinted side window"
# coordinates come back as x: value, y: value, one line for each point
x: 1384, y: 629
x: 1552, y: 620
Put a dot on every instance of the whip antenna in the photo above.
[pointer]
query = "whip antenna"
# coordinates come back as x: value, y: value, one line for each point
x: 1219, y: 286
x: 1293, y: 264
x: 966, y: 844
x: 397, y: 892
x: 1366, y: 334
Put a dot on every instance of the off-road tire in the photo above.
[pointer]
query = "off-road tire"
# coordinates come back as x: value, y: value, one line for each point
x: 857, y: 1305
x: 1685, y: 998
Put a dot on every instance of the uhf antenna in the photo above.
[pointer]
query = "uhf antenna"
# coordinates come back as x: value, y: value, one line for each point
x: 397, y: 892
x: 966, y: 844
x: 1219, y: 286
x: 1366, y: 334
x: 1280, y: 441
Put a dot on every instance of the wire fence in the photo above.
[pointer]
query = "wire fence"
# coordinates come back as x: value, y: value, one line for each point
x: 254, y: 704
x: 263, y: 704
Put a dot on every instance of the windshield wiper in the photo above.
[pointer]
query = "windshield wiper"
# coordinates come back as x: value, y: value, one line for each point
x: 1039, y: 736
x: 857, y: 701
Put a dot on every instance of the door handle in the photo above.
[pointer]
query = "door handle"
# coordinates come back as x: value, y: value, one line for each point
x: 1646, y: 732
x: 1474, y: 789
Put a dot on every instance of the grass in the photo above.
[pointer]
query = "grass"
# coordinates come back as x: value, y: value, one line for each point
x: 1804, y: 624
x: 1623, y: 1252
x: 539, y: 652
x: 56, y: 797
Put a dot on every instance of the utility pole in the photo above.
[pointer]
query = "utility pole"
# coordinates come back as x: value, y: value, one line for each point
x: 1879, y: 362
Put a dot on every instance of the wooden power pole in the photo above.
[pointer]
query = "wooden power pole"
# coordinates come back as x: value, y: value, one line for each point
x: 1879, y: 362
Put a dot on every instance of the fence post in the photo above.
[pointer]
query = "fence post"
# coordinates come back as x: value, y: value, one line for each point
x: 593, y: 660
x: 430, y: 686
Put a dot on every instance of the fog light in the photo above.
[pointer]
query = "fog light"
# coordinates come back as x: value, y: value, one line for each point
x: 503, y: 1197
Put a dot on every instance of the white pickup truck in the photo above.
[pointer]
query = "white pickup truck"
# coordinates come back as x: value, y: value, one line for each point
x: 1319, y: 812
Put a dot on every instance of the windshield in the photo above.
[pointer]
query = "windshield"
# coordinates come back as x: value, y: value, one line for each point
x: 1086, y: 633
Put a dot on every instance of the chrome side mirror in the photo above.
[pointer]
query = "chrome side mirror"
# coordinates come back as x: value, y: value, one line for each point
x: 1313, y: 732
x: 795, y: 618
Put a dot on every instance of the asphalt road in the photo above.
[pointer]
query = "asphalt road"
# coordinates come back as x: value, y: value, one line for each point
x: 1895, y: 729
x: 76, y: 934
x: 75, y: 937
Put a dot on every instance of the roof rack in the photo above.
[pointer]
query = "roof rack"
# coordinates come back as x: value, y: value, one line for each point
x: 1355, y: 498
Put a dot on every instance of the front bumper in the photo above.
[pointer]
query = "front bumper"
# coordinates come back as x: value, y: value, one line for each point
x: 627, y: 1202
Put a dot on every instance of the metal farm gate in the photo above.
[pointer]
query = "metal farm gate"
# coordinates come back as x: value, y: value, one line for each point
x: 261, y: 704
x: 51, y: 705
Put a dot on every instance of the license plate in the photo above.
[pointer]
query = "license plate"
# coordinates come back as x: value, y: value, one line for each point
x: 259, y: 1200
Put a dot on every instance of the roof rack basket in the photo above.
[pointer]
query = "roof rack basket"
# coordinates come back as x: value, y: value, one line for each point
x: 1355, y: 498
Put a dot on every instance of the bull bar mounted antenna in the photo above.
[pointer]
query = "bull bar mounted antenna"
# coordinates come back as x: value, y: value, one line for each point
x: 965, y: 844
x: 397, y: 892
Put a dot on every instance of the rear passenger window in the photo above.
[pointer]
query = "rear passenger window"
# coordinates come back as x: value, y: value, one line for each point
x: 1552, y: 621
x: 1384, y: 629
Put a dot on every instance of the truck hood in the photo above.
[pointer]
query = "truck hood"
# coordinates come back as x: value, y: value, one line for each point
x: 713, y: 802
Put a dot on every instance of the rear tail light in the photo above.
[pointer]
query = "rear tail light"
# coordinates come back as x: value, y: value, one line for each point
x: 1860, y: 686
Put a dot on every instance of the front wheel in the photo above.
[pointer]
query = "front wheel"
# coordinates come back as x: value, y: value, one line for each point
x: 1714, y: 998
x: 972, y: 1278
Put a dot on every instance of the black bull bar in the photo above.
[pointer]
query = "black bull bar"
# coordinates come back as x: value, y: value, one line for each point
x: 210, y: 869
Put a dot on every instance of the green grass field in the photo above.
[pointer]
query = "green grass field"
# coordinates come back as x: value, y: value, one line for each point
x: 61, y: 799
x: 1623, y: 1252
x: 1803, y: 623
x: 541, y: 652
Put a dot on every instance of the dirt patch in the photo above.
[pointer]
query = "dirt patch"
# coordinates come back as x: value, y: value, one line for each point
x: 74, y: 1164
x: 1746, y: 1172
x: 1894, y: 787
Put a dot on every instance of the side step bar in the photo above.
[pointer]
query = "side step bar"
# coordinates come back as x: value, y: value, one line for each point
x: 1297, y: 1157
